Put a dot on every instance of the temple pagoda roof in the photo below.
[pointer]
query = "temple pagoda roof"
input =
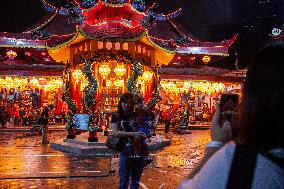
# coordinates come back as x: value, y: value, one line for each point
x: 202, y: 73
x: 105, y: 21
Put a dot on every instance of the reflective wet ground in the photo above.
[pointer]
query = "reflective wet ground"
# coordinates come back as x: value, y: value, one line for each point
x: 26, y: 163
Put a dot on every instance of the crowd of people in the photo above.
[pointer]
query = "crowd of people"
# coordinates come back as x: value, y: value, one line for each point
x: 15, y: 114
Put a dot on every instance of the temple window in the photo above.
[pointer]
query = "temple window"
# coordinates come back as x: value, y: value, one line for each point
x: 117, y: 46
x: 100, y: 45
x: 143, y: 50
x: 125, y: 46
x: 109, y: 45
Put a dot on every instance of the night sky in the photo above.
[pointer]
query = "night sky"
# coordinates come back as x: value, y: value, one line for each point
x: 208, y: 20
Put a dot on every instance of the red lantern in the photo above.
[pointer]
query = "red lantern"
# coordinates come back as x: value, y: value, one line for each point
x: 192, y: 58
x: 11, y: 54
x: 28, y: 53
x: 206, y: 59
x: 43, y: 53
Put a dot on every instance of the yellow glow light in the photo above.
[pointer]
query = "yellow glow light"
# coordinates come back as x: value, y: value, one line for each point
x: 120, y: 70
x: 147, y: 75
x: 119, y: 83
x: 104, y: 70
x: 77, y: 74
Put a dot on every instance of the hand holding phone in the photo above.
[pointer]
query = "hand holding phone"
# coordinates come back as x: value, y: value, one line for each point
x: 220, y: 133
x: 229, y: 111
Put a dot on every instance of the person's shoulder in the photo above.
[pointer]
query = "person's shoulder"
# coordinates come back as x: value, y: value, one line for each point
x: 114, y: 117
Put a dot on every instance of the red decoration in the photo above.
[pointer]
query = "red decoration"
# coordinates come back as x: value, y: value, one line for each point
x: 11, y: 54
x: 43, y: 53
x: 28, y: 53
x: 192, y: 58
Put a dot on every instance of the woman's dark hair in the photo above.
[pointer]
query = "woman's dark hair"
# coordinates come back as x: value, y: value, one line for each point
x: 126, y: 97
x: 262, y: 111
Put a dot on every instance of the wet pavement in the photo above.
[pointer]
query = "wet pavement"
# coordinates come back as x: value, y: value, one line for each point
x: 26, y: 163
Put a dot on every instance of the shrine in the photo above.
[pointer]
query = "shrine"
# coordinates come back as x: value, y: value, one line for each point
x: 87, y: 53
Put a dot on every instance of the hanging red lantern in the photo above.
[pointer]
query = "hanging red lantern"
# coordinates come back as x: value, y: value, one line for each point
x: 11, y: 54
x: 206, y: 59
x: 28, y: 53
x: 43, y: 53
x: 192, y: 58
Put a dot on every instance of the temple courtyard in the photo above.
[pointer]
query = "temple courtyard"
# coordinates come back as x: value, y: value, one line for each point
x: 26, y: 163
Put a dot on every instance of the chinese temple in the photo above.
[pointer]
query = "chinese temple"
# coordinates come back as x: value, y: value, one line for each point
x: 89, y: 52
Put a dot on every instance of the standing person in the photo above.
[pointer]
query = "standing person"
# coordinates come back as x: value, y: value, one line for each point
x: 9, y: 113
x: 155, y: 122
x: 256, y: 158
x: 2, y: 116
x: 16, y: 112
x: 123, y: 123
x: 167, y: 116
x: 22, y: 115
x: 64, y: 112
x: 44, y: 122
x: 143, y: 123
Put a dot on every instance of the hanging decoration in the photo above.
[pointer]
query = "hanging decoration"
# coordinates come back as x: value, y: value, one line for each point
x: 119, y: 83
x: 92, y: 86
x: 104, y: 70
x: 66, y: 88
x: 195, y: 87
x: 131, y: 82
x: 11, y: 54
x: 147, y: 76
x: 77, y: 74
x: 120, y: 70
x: 206, y: 59
x: 156, y: 91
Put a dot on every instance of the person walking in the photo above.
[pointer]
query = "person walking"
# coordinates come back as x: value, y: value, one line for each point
x: 2, y: 116
x: 131, y: 164
x: 44, y: 122
x: 167, y: 116
x: 16, y: 114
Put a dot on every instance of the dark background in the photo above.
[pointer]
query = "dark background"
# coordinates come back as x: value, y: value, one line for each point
x: 208, y: 20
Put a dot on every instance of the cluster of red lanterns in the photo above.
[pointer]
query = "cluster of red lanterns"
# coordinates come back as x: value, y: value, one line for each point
x: 30, y: 54
x: 205, y: 59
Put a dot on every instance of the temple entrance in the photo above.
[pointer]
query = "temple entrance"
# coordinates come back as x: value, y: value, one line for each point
x: 112, y: 78
x: 104, y: 76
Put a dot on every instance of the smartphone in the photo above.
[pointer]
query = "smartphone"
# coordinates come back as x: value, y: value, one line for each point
x: 229, y: 109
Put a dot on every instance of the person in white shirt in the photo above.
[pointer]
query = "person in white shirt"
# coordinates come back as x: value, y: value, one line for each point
x: 255, y: 159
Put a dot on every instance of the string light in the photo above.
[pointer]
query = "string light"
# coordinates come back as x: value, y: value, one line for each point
x: 193, y: 86
x: 47, y: 84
